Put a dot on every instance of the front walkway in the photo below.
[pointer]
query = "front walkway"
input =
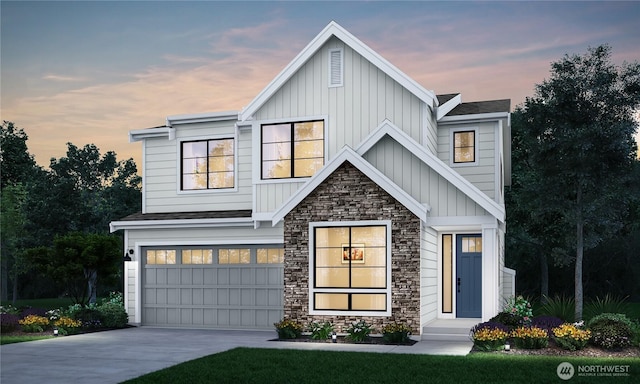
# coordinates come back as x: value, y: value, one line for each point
x: 116, y: 356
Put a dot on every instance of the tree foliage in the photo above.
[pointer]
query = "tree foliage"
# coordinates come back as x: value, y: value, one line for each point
x: 76, y: 259
x: 81, y: 192
x: 573, y: 175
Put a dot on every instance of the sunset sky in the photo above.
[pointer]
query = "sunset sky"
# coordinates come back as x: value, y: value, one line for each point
x: 89, y: 72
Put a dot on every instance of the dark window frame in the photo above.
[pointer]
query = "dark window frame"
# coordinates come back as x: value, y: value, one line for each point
x: 292, y: 158
x: 350, y: 291
x: 208, y: 172
x: 456, y: 148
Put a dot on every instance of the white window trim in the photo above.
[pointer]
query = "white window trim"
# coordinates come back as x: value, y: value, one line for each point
x: 475, y: 148
x: 179, y: 142
x: 312, y: 290
x: 257, y: 145
x: 331, y: 51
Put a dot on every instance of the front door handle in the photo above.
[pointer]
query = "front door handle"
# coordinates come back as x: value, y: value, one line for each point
x: 458, y: 285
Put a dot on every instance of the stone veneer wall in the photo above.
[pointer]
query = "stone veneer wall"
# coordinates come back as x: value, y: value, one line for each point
x: 349, y: 195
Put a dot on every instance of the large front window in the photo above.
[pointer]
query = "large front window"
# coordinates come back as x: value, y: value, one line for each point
x: 351, y: 268
x: 292, y: 150
x: 208, y: 164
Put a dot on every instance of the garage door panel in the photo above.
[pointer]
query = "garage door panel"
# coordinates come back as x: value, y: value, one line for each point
x: 213, y: 295
x: 209, y: 296
x: 223, y: 276
x: 173, y: 276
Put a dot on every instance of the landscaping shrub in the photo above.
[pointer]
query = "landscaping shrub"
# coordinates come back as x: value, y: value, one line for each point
x: 635, y: 329
x: 8, y: 322
x: 33, y: 311
x: 34, y: 323
x: 320, y: 331
x: 510, y: 320
x: 489, y: 336
x: 10, y: 309
x: 396, y: 333
x: 530, y: 337
x: 89, y: 316
x: 562, y: 307
x: 571, y: 337
x: 359, y: 331
x: 113, y: 315
x: 611, y: 330
x: 67, y: 326
x: 606, y: 304
x: 547, y: 323
x: 288, y: 329
x: 520, y: 307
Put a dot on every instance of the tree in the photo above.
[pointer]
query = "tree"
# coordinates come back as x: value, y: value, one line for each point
x: 76, y: 260
x: 17, y: 168
x: 16, y: 164
x: 85, y: 190
x: 580, y: 126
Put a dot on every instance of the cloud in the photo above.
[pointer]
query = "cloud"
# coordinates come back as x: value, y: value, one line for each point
x: 53, y: 77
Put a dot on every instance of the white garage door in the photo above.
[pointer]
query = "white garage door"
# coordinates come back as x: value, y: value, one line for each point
x: 213, y: 287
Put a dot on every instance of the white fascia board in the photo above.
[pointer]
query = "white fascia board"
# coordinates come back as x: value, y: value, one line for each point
x: 151, y: 133
x: 181, y: 223
x: 447, y: 107
x: 201, y: 117
x: 474, y: 117
x: 349, y: 155
x: 334, y: 29
x: 464, y: 185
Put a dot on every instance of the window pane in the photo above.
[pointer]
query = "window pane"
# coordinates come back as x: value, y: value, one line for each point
x: 335, y: 301
x: 307, y: 167
x: 221, y: 163
x: 221, y: 147
x: 464, y: 147
x: 221, y: 180
x: 194, y: 149
x: 276, y: 256
x: 194, y: 181
x: 368, y: 301
x: 194, y: 165
x: 223, y: 256
x: 276, y: 133
x: 245, y: 256
x: 329, y: 257
x: 308, y: 130
x: 309, y: 149
x: 332, y: 277
x: 370, y: 236
x: 197, y: 256
x: 276, y: 169
x: 261, y: 256
x: 447, y: 273
x: 366, y: 277
x: 276, y: 151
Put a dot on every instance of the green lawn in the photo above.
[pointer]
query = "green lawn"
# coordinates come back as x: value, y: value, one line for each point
x: 10, y: 339
x: 245, y: 365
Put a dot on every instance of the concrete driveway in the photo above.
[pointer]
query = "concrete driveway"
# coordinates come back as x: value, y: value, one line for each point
x: 119, y: 355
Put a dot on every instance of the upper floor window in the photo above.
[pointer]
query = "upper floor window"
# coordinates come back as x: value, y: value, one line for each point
x: 464, y: 147
x: 292, y: 150
x: 208, y: 164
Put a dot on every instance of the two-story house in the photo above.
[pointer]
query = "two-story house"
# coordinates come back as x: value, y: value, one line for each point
x: 344, y: 191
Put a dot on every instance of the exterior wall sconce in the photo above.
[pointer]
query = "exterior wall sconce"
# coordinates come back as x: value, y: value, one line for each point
x: 127, y: 256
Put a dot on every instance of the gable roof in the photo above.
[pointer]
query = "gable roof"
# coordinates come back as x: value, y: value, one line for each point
x: 347, y: 154
x: 333, y: 29
x: 478, y: 107
x: 388, y: 128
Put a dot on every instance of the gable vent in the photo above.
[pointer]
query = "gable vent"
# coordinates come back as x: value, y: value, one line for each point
x: 335, y: 68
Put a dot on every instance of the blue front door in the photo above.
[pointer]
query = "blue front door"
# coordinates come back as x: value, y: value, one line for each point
x: 469, y: 276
